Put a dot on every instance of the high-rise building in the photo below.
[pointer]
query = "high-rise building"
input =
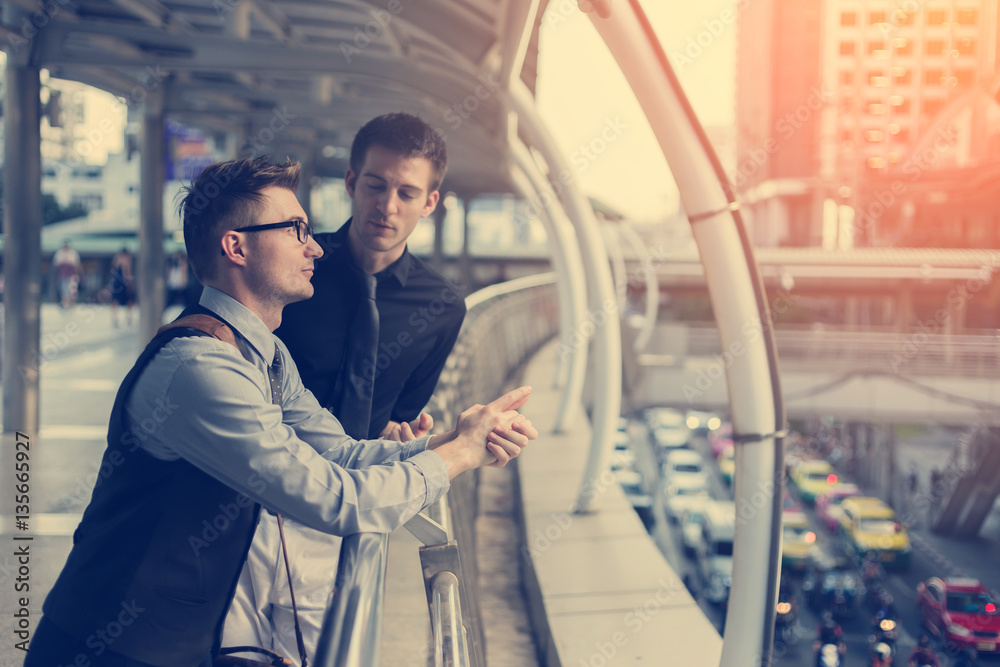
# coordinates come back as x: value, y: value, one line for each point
x: 778, y: 100
x: 907, y: 75
x: 903, y: 115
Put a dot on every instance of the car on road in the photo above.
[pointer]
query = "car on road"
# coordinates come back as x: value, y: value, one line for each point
x: 684, y: 463
x: 962, y: 612
x: 828, y: 504
x: 714, y: 553
x: 682, y: 493
x: 642, y: 502
x: 721, y: 438
x: 692, y: 520
x: 727, y: 464
x: 622, y: 459
x: 662, y: 416
x: 813, y: 477
x: 832, y: 584
x: 798, y: 540
x: 701, y: 422
x: 872, y: 527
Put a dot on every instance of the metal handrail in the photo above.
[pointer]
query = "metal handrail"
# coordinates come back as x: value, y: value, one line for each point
x: 506, y: 323
x: 450, y: 643
x: 352, y: 627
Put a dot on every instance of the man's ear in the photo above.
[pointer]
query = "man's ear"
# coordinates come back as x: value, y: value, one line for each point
x: 350, y: 182
x: 431, y: 204
x: 234, y: 247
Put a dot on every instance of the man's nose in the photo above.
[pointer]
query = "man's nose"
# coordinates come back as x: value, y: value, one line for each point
x: 313, y: 248
x: 388, y: 203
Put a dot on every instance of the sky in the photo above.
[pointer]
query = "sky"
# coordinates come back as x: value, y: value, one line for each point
x: 581, y: 92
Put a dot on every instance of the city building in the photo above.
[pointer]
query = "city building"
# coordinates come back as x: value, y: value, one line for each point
x: 895, y: 142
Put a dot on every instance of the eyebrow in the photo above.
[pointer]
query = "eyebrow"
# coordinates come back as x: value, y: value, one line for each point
x: 404, y: 186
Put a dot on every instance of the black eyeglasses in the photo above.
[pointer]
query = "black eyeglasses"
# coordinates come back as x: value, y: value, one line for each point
x: 303, y: 230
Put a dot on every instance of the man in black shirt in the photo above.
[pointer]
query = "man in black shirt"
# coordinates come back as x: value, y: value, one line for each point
x: 396, y: 167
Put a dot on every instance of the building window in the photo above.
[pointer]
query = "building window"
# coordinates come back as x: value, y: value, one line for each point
x: 875, y: 76
x: 846, y: 135
x: 933, y: 77
x: 875, y: 162
x: 847, y: 48
x: 900, y: 104
x: 846, y: 78
x: 967, y: 16
x: 966, y: 46
x: 876, y: 108
x: 902, y: 76
x: 875, y: 18
x: 935, y: 47
x: 91, y: 202
x: 937, y: 17
x: 902, y: 46
x: 873, y: 136
x: 933, y: 106
x: 875, y: 45
x: 903, y: 17
x: 901, y: 136
x: 848, y: 18
x: 894, y: 157
x: 965, y: 77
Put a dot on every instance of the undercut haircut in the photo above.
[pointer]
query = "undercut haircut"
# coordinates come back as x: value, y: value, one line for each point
x: 227, y: 196
x: 405, y: 135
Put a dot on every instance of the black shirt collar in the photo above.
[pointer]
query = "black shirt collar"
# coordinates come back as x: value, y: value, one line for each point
x: 400, y: 269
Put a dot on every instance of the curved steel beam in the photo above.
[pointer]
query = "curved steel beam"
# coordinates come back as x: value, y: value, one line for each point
x: 607, y: 381
x: 652, y: 287
x: 571, y: 280
x: 743, y: 318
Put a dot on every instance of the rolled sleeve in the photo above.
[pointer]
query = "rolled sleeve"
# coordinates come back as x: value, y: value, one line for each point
x: 222, y: 424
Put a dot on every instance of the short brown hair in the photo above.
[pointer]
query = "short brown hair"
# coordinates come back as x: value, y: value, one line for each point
x: 226, y: 196
x: 406, y: 135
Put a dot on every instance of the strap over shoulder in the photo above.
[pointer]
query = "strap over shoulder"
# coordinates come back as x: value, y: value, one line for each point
x: 207, y: 324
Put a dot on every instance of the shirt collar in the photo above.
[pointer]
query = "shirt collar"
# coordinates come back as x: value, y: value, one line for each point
x: 400, y: 269
x: 244, y: 320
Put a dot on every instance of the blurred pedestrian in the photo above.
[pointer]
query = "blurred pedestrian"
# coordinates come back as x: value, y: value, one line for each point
x: 177, y: 279
x: 67, y: 264
x: 122, y: 285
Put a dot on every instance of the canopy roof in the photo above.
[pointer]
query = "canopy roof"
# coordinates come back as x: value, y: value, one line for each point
x: 299, y: 77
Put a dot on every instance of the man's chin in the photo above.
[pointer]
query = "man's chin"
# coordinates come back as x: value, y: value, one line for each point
x: 304, y: 294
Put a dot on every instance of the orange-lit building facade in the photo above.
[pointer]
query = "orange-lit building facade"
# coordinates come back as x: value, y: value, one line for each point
x: 909, y: 135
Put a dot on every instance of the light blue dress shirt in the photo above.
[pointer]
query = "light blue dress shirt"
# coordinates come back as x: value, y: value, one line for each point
x: 200, y: 400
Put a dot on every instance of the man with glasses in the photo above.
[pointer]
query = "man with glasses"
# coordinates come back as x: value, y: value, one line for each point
x: 206, y: 429
x: 370, y: 344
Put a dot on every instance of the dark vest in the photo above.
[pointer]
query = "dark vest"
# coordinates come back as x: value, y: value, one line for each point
x: 157, y: 555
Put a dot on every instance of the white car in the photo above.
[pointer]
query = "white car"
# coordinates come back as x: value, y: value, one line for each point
x: 671, y: 437
x: 682, y: 493
x: 622, y: 459
x: 692, y: 520
x: 657, y: 417
x: 701, y: 422
x: 684, y: 463
x: 631, y: 483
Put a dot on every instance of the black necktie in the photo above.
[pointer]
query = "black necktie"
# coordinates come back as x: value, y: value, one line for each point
x: 274, y: 374
x: 355, y: 407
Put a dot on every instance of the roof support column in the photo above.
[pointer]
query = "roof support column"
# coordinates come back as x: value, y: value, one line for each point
x: 22, y: 223
x: 151, y: 266
x: 465, y: 262
x: 438, y: 217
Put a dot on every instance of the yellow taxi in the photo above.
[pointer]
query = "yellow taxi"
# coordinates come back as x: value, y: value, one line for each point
x: 798, y: 540
x: 812, y: 477
x: 872, y: 527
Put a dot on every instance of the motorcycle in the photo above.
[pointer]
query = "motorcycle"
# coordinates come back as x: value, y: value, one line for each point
x: 881, y: 655
x: 884, y: 631
x: 829, y: 654
x: 786, y: 618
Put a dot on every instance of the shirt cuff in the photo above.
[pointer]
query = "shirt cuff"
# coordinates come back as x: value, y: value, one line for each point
x: 435, y: 473
x: 414, y: 447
